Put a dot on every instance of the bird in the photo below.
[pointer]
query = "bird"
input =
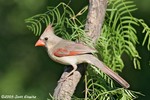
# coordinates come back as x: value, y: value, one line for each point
x: 72, y: 53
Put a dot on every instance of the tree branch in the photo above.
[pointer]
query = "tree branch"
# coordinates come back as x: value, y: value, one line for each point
x: 95, y: 18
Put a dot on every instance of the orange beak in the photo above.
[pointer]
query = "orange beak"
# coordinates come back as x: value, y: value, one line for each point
x: 40, y: 43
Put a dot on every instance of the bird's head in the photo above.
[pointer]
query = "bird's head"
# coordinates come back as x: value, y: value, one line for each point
x: 46, y: 37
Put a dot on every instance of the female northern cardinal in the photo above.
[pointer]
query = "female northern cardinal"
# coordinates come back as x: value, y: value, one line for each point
x: 71, y: 53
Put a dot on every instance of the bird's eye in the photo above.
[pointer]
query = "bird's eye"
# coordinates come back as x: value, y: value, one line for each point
x: 46, y: 38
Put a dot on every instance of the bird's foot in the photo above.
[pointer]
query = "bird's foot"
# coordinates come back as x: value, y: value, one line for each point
x: 65, y: 77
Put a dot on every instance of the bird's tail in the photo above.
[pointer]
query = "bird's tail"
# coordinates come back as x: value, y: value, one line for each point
x: 96, y: 62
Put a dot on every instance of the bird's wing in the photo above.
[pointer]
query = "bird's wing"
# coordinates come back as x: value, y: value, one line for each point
x: 69, y: 48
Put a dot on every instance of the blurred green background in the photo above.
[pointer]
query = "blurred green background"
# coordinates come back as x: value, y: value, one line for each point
x: 27, y: 70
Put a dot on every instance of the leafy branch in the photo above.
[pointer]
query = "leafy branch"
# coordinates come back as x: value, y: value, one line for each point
x: 118, y: 37
x: 62, y: 17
